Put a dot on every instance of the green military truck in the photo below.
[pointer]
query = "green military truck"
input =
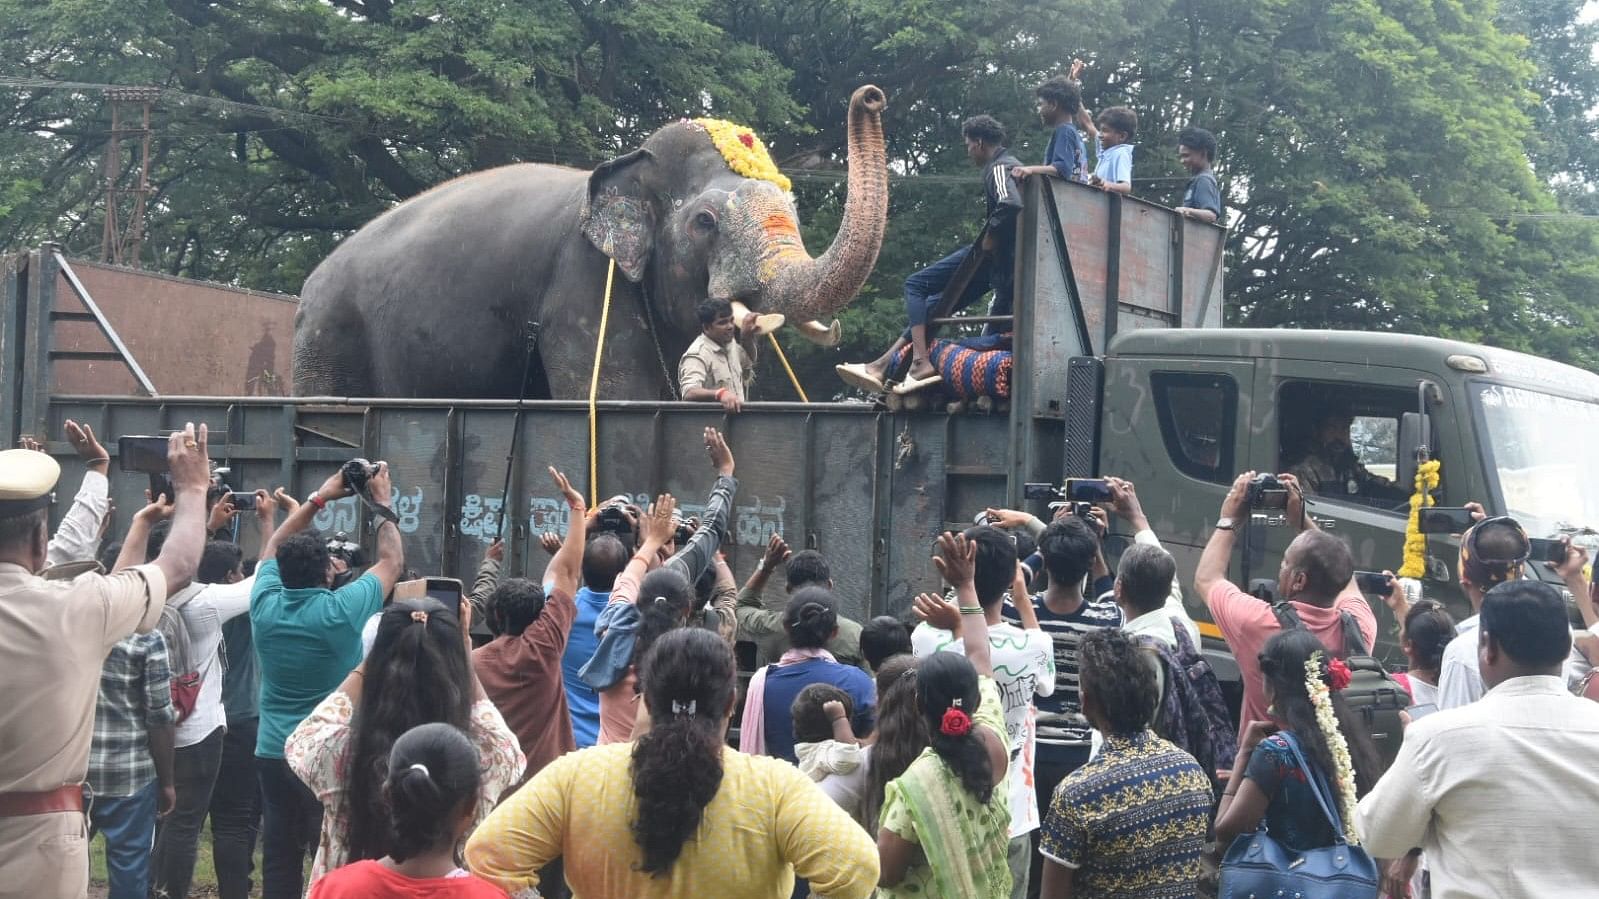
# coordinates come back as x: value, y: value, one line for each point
x: 1121, y: 367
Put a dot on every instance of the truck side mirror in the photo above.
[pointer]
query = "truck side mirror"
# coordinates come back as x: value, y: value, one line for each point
x: 1414, y: 433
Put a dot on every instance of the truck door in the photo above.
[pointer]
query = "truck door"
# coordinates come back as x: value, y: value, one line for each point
x: 1179, y: 430
x: 1336, y: 428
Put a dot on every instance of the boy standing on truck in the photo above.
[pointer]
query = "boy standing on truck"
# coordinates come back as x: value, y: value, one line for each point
x: 996, y: 250
x: 1060, y: 102
x: 1113, y: 153
x: 1196, y: 150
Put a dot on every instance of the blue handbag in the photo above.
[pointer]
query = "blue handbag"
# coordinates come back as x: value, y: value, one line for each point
x: 1259, y: 867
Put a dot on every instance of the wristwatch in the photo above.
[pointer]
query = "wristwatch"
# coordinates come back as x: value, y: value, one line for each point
x: 1224, y: 524
x: 316, y: 500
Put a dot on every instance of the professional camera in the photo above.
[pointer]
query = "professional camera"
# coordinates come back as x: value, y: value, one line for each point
x: 341, y: 547
x: 357, y: 472
x: 1266, y: 492
x: 613, y: 519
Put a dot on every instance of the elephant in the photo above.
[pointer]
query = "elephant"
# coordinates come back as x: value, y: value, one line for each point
x: 432, y: 298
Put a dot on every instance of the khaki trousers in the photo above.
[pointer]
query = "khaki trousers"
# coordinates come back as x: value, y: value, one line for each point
x: 44, y: 856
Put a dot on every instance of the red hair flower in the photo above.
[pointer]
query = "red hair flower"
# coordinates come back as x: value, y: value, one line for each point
x: 1338, y: 674
x: 956, y: 723
x: 747, y: 139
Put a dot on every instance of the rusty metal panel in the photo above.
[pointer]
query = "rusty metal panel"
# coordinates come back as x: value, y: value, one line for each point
x: 237, y: 342
x: 916, y: 510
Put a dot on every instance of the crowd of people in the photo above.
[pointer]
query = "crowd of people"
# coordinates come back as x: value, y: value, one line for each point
x: 1048, y: 727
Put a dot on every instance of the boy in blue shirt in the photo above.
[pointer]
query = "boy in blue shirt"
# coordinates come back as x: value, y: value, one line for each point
x: 1113, y: 171
x: 1059, y: 103
x: 1196, y: 150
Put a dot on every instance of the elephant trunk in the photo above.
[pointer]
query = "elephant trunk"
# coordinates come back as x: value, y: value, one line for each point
x: 805, y: 289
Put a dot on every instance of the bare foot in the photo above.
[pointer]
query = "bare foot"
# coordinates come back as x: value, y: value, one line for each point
x: 920, y: 369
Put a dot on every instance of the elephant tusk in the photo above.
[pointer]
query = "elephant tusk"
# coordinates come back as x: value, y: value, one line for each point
x: 820, y: 334
x: 764, y: 323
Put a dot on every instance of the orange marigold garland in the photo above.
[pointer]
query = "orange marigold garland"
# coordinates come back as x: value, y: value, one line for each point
x: 743, y: 150
x: 1427, y: 480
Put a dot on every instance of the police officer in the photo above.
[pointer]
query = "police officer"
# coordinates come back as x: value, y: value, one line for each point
x: 53, y: 637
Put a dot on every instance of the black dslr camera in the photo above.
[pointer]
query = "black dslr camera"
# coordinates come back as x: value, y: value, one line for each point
x: 1266, y: 492
x: 357, y: 472
x: 613, y: 519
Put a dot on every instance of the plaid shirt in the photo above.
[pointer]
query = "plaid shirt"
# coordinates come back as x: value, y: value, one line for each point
x: 135, y: 695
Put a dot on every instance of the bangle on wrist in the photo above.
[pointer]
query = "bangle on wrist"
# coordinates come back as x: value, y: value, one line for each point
x: 317, y: 501
x: 98, y: 460
x: 971, y: 610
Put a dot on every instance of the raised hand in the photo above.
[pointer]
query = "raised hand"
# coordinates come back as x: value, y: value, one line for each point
x: 83, y: 443
x: 1008, y: 518
x: 550, y: 542
x: 380, y: 486
x: 660, y: 523
x: 574, y: 499
x: 937, y: 612
x: 777, y: 552
x: 266, y: 509
x: 285, y: 502
x: 496, y: 550
x: 188, y: 460
x: 956, y: 559
x: 158, y: 509
x: 221, y: 514
x: 721, y: 455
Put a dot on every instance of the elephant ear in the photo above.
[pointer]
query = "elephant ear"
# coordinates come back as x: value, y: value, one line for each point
x: 619, y: 215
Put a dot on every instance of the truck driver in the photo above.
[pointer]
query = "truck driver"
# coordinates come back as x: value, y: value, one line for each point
x: 1329, y: 467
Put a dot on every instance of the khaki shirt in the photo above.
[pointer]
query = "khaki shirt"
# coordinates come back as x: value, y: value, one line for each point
x: 54, y: 636
x: 713, y: 367
x: 1339, y: 477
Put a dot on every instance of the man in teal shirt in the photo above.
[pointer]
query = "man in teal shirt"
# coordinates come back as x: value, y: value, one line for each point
x: 307, y: 640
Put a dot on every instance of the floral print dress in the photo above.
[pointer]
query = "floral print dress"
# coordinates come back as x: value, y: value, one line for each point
x: 318, y: 753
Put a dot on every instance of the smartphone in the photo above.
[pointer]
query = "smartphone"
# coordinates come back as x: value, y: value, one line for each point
x: 146, y: 455
x: 1088, y: 490
x: 1547, y: 550
x: 1374, y: 582
x: 1445, y: 520
x: 1040, y: 492
x: 161, y: 485
x: 447, y: 590
x: 244, y: 502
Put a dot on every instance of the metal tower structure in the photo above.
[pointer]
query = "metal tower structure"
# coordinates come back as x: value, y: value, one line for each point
x: 121, y: 244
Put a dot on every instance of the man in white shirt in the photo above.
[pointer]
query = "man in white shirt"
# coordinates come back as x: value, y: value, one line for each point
x: 1024, y: 667
x: 77, y: 537
x: 1492, y: 552
x: 1501, y: 793
x: 220, y: 593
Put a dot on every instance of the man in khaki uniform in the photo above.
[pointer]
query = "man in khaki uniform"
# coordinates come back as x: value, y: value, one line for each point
x: 53, y: 637
x: 716, y: 369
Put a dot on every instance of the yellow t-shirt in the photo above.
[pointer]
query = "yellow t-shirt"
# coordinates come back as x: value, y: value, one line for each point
x: 767, y: 823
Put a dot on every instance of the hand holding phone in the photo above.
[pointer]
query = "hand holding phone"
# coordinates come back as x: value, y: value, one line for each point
x: 1445, y: 520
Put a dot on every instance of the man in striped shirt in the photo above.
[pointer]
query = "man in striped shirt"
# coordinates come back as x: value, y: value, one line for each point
x: 1065, y: 738
x: 996, y: 252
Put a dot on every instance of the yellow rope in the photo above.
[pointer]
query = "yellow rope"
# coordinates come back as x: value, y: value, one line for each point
x: 594, y: 392
x: 788, y: 368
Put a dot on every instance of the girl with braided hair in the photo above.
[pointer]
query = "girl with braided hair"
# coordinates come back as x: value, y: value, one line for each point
x: 431, y: 793
x: 1302, y: 683
x: 944, y: 829
x: 676, y: 813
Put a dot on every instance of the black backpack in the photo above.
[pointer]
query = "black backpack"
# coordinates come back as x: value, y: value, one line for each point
x: 1375, y: 698
x: 1193, y: 712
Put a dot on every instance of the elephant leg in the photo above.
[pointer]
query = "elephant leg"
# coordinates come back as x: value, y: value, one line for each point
x: 632, y: 367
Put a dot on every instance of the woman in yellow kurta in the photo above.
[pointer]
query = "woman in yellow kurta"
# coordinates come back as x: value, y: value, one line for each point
x: 677, y: 813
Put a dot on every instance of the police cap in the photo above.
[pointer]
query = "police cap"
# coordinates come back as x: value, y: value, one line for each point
x: 27, y: 481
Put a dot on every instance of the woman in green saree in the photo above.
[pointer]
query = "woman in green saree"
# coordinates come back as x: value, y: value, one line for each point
x: 945, y: 823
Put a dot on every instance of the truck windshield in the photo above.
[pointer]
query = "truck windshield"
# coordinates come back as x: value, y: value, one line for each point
x: 1538, y: 442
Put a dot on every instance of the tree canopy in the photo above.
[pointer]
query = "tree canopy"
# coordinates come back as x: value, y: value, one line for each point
x: 1414, y: 165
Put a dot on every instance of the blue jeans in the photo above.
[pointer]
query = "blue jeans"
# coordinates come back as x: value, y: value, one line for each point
x: 128, y: 823
x: 925, y: 289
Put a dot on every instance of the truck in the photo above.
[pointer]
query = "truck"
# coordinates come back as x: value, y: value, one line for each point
x: 1121, y: 366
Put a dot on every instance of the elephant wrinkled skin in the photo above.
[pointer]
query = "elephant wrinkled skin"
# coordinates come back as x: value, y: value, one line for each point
x: 431, y: 298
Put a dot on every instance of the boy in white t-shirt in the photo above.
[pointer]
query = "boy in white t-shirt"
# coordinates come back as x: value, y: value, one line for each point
x: 1024, y: 667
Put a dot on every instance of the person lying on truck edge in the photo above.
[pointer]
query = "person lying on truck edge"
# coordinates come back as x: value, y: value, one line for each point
x: 1060, y: 101
x: 764, y: 627
x: 716, y: 368
x: 1329, y: 467
x: 1196, y: 150
x: 1317, y: 579
x: 996, y: 251
x: 1113, y: 151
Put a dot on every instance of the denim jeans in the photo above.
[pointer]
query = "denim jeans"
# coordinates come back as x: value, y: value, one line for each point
x: 236, y: 811
x: 925, y: 289
x: 128, y: 823
x: 291, y: 824
x: 177, y: 837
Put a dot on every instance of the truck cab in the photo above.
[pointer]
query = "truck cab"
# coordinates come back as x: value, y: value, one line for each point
x: 1183, y: 410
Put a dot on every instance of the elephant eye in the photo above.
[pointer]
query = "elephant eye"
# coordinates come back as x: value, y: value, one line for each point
x: 704, y: 221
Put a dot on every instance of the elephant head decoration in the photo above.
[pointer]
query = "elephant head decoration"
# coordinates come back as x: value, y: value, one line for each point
x: 430, y: 299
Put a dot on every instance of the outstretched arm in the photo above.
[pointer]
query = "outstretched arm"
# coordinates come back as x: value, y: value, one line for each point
x: 691, y: 560
x: 1212, y: 567
x: 567, y: 565
x: 300, y: 517
x: 391, y: 552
